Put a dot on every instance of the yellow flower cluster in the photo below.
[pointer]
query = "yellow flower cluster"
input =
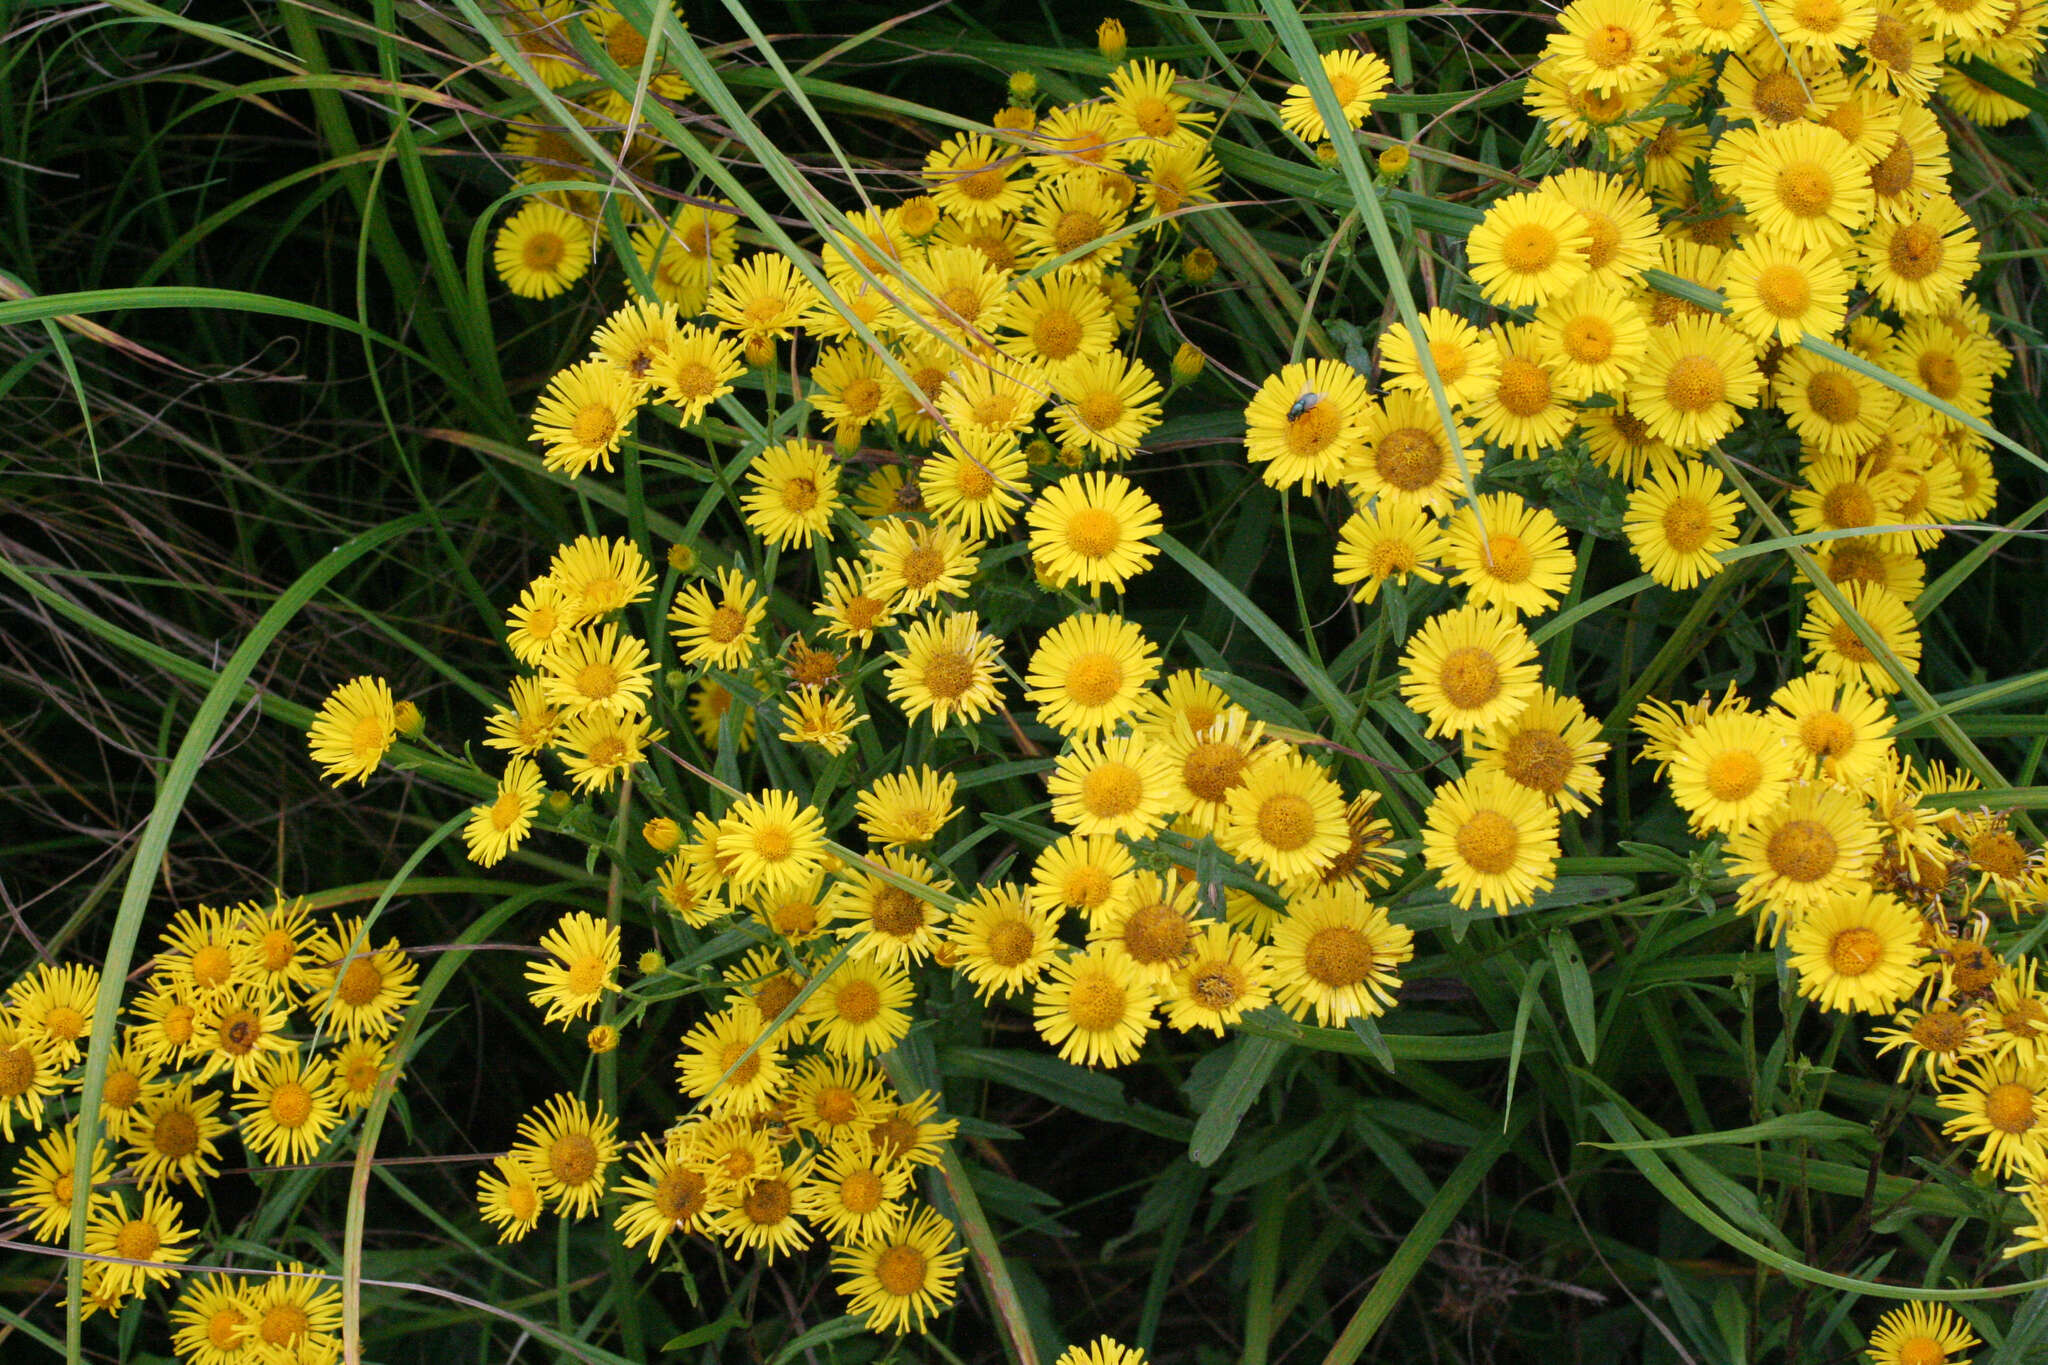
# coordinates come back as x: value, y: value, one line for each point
x: 1882, y: 885
x: 214, y: 1025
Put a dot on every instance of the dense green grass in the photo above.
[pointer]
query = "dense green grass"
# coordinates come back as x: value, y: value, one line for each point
x: 268, y: 410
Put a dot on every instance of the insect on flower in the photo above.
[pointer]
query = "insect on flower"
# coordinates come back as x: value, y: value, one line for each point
x: 1302, y: 405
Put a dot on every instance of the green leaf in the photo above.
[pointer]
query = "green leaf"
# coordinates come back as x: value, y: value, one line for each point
x: 1069, y: 1086
x: 1249, y: 1070
x: 1575, y: 984
x: 1368, y: 1032
x: 1812, y: 1127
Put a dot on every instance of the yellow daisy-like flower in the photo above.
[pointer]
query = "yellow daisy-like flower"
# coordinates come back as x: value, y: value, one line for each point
x: 903, y: 1276
x: 855, y: 1193
x: 151, y: 1234
x: 1679, y: 519
x: 1148, y: 108
x: 544, y: 615
x: 1081, y: 142
x: 1469, y: 667
x: 568, y: 1147
x: 214, y: 1320
x: 1211, y: 763
x: 1622, y: 227
x: 912, y: 564
x: 1551, y: 747
x: 1859, y: 951
x: 955, y: 293
x: 761, y: 1216
x: 1088, y: 873
x: 2018, y: 1015
x: 541, y: 250
x: 886, y: 922
x: 761, y: 298
x: 851, y: 609
x: 1835, y: 411
x: 718, y: 632
x: 906, y: 1132
x: 1838, y: 725
x: 694, y: 369
x: 1186, y: 695
x: 1224, y: 975
x: 1529, y: 249
x: 836, y: 1100
x: 1108, y: 403
x: 600, y: 670
x: 1833, y: 647
x: 597, y: 747
x: 1121, y: 785
x: 1154, y: 926
x: 1695, y: 374
x: 1102, y: 1351
x: 670, y: 1195
x: 298, y: 1316
x: 1071, y: 220
x: 1492, y: 840
x: 907, y: 808
x: 599, y: 575
x: 975, y: 483
x: 1465, y: 359
x: 1388, y: 541
x: 861, y: 1009
x: 358, y: 1068
x: 1732, y: 769
x: 45, y: 1178
x: 1095, y: 1007
x: 1803, y: 186
x: 1919, y: 261
x: 236, y: 1029
x: 1524, y: 410
x: 499, y: 826
x: 1176, y: 177
x: 1962, y: 20
x: 1620, y: 442
x: 1089, y: 672
x: 1596, y: 334
x: 354, y: 726
x: 1920, y: 1334
x: 584, y: 415
x: 946, y: 670
x: 585, y: 950
x: 2005, y: 1103
x: 1715, y: 25
x: 792, y: 491
x: 772, y: 842
x: 290, y: 1110
x: 993, y: 395
x: 1306, y: 423
x: 1610, y: 45
x: 359, y: 991
x: 1333, y: 957
x: 682, y: 254
x: 1286, y: 817
x: 1404, y: 457
x: 1508, y: 555
x: 973, y: 177
x: 1356, y: 78
x: 1821, y: 29
x: 1057, y: 318
x: 54, y: 1004
x: 731, y: 1064
x: 1939, y: 1039
x: 1003, y: 940
x: 816, y: 717
x: 851, y: 389
x: 173, y: 1136
x: 1093, y: 528
x: 1810, y: 849
x: 1776, y: 292
x: 509, y: 1197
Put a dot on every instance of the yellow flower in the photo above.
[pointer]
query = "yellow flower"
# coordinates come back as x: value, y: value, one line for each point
x: 772, y: 842
x: 1610, y: 45
x: 213, y: 1321
x: 1286, y: 817
x: 1003, y: 940
x: 1465, y: 360
x: 886, y: 922
x: 1491, y: 840
x: 975, y: 483
x: 669, y: 1196
x: 584, y: 415
x: 902, y: 1276
x: 1224, y: 975
x: 2006, y: 1104
x: 1404, y: 457
x: 600, y: 670
x: 1519, y: 562
x: 1528, y: 249
x: 1357, y: 79
x: 359, y: 991
x: 1523, y: 410
x: 1551, y: 747
x: 354, y: 726
x: 793, y: 489
x: 1858, y: 951
x: 1469, y: 667
x: 585, y: 950
x: 906, y: 808
x: 290, y: 1110
x: 855, y: 1193
x: 1093, y: 528
x: 1919, y: 261
x: 1089, y: 672
x: 1388, y: 541
x: 1833, y: 646
x: 912, y: 564
x: 1088, y: 873
x: 1333, y: 956
x: 1679, y: 519
x: 1107, y: 404
x: 1595, y: 334
x: 1732, y: 769
x: 568, y: 1148
x: 173, y: 1137
x: 718, y: 632
x: 973, y: 177
x: 45, y: 1178
x: 151, y: 1234
x: 760, y: 298
x: 731, y: 1064
x: 1119, y: 785
x: 861, y: 1009
x: 1306, y: 423
x: 541, y: 250
x: 1803, y: 186
x: 1695, y: 374
x: 946, y: 669
x: 597, y: 747
x: 1095, y: 1008
x: 1804, y: 853
x: 1920, y: 1334
x: 1057, y: 317
x: 1073, y: 219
